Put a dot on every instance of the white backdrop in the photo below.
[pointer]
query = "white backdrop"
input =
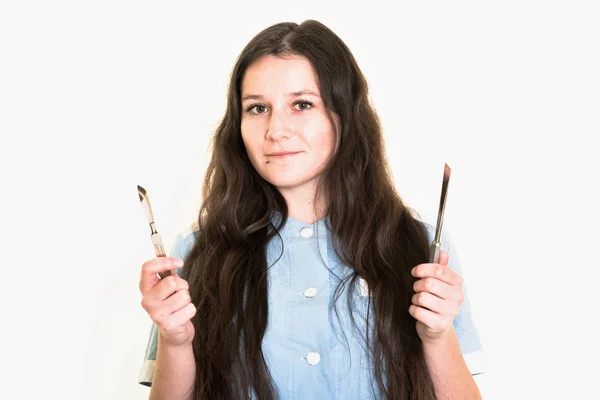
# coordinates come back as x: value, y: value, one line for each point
x: 96, y: 98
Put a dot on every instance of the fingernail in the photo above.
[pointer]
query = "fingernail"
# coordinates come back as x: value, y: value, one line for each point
x: 179, y: 263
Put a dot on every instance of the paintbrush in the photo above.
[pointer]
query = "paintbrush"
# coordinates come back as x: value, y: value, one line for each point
x: 434, y: 250
x: 159, y: 249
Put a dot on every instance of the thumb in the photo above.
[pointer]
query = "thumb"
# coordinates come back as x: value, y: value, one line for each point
x: 444, y: 257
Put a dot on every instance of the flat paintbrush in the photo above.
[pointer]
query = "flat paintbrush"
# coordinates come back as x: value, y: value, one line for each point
x: 434, y: 250
x: 159, y: 249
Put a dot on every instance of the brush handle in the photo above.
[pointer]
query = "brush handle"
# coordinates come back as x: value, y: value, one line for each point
x: 159, y: 249
x: 434, y: 252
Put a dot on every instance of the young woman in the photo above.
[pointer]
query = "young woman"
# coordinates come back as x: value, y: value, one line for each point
x: 305, y: 275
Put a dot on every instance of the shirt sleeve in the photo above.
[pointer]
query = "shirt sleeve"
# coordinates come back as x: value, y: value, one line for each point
x: 468, y: 337
x: 180, y: 250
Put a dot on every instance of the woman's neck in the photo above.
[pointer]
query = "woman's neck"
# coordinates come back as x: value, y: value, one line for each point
x: 301, y: 204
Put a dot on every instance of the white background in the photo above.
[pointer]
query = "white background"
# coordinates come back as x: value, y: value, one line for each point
x: 96, y: 98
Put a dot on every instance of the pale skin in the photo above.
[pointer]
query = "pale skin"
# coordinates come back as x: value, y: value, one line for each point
x: 277, y: 120
x: 282, y: 111
x: 437, y: 300
x: 168, y: 303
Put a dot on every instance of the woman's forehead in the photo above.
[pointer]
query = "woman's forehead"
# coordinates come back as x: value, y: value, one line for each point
x: 271, y: 75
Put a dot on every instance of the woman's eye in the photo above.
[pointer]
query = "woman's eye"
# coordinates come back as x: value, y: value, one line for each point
x: 304, y: 105
x: 256, y: 109
x: 259, y: 109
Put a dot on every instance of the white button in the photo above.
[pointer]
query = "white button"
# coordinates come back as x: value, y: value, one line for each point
x: 310, y: 292
x: 306, y: 233
x: 313, y: 358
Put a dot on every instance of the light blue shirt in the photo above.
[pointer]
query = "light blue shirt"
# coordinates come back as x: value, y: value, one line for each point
x: 310, y: 353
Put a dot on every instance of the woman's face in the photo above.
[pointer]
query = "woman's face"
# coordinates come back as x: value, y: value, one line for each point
x: 282, y: 111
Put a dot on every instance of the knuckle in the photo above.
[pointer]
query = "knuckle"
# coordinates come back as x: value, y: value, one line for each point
x: 154, y: 316
x: 145, y: 266
x: 182, y: 296
x: 418, y: 312
x: 180, y: 282
x: 170, y: 282
x: 429, y: 284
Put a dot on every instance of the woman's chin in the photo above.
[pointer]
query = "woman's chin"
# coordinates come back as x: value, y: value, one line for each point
x: 283, y: 183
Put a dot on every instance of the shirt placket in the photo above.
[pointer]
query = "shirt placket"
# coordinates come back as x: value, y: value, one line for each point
x: 307, y: 322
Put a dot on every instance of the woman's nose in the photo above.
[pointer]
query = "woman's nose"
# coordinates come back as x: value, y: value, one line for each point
x: 280, y: 126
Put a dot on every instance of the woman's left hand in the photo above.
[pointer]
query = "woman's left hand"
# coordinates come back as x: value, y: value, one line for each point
x: 438, y: 297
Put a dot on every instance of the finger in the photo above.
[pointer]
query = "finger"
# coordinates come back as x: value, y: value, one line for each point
x: 154, y: 298
x: 431, y: 302
x: 437, y: 287
x: 432, y: 320
x: 167, y: 286
x: 437, y: 271
x: 444, y: 258
x: 177, y: 301
x: 164, y: 309
x: 179, y: 318
x: 150, y: 268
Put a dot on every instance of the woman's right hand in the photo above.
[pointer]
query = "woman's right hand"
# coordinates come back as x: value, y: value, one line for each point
x: 168, y: 300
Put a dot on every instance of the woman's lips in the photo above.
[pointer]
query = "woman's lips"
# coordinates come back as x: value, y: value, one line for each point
x: 283, y: 155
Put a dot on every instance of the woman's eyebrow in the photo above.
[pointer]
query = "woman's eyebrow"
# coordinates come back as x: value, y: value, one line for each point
x: 292, y: 94
x: 303, y: 92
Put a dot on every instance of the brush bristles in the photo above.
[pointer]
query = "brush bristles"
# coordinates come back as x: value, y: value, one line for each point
x: 141, y: 192
x: 447, y: 171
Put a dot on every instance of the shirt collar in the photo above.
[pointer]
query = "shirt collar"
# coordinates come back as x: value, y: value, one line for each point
x: 293, y: 227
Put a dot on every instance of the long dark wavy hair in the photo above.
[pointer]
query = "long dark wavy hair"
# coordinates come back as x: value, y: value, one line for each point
x: 373, y: 232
